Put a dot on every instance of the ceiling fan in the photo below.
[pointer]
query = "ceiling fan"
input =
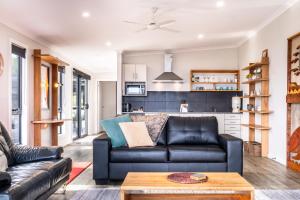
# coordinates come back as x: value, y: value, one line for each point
x: 154, y: 24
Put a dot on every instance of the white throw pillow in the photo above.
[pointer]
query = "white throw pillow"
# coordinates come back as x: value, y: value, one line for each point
x: 3, y: 162
x: 136, y: 134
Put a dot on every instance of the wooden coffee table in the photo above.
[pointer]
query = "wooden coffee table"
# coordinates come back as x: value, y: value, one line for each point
x: 150, y: 186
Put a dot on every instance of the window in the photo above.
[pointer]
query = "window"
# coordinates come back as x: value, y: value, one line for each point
x: 18, y: 57
x: 61, y: 92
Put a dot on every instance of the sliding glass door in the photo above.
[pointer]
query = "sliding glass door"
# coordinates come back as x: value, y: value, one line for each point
x: 84, y: 106
x: 75, y: 113
x: 80, y: 106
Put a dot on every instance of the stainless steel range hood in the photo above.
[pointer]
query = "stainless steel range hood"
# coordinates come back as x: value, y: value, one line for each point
x: 168, y: 76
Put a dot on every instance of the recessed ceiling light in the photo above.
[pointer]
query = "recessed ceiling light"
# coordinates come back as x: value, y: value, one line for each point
x: 85, y: 14
x: 108, y: 43
x: 220, y: 4
x: 200, y: 36
x: 251, y: 34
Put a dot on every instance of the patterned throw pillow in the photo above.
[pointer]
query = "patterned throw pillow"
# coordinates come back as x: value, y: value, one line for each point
x: 154, y: 123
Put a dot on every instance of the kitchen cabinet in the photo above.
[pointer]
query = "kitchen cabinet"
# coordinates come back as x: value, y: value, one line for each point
x: 135, y: 73
x: 129, y: 73
x: 140, y: 73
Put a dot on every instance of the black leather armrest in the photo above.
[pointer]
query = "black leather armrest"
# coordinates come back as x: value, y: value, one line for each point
x: 5, y: 179
x: 101, y: 152
x: 234, y: 150
x: 24, y: 154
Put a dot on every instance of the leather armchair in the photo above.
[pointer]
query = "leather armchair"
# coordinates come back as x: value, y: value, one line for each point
x: 33, y: 172
x: 234, y: 150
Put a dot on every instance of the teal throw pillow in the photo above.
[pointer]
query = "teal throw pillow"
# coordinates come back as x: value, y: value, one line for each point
x: 113, y: 130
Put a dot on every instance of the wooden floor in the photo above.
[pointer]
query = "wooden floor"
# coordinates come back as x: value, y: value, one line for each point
x: 262, y: 173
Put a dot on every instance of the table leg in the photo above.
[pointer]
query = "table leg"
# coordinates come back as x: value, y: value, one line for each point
x: 123, y: 195
x: 252, y: 195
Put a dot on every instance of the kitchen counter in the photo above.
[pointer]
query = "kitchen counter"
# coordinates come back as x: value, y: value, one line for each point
x: 228, y: 122
x: 180, y: 112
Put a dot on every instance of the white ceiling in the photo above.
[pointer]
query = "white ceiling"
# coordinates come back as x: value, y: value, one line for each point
x: 58, y: 23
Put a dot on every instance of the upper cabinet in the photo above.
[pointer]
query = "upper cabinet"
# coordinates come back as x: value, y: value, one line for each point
x: 135, y: 73
x: 129, y: 72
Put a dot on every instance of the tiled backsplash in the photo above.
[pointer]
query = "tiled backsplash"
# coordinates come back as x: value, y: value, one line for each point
x: 170, y: 101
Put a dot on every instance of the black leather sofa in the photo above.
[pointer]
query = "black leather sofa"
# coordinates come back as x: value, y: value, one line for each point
x: 187, y: 144
x: 33, y: 172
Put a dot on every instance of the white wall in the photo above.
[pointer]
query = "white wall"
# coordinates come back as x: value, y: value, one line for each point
x: 274, y: 37
x: 7, y: 36
x: 183, y: 62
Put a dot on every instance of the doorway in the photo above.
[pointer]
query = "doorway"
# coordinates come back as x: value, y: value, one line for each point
x: 80, y: 106
x: 108, y: 99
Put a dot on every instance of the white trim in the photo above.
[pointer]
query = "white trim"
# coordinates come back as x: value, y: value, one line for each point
x: 175, y: 51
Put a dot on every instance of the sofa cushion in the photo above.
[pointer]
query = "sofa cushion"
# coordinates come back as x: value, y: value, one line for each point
x: 162, y: 139
x: 57, y: 169
x: 3, y: 162
x: 6, y: 150
x: 192, y: 130
x: 136, y: 134
x: 113, y: 130
x: 155, y: 124
x: 138, y: 154
x: 27, y: 184
x: 195, y: 153
x: 6, y: 136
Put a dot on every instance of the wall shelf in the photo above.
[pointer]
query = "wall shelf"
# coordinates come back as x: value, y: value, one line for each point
x: 215, y: 80
x: 214, y: 83
x: 256, y: 111
x: 293, y: 98
x: 260, y: 69
x: 51, y: 59
x: 51, y: 121
x: 256, y: 126
x: 215, y: 90
x: 255, y: 81
x: 293, y: 102
x: 255, y: 96
x: 38, y: 122
x: 254, y: 66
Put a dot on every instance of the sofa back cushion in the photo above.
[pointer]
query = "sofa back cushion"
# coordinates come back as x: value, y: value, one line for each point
x: 192, y: 130
x: 162, y: 140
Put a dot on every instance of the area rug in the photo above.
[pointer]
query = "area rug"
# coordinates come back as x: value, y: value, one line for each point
x: 113, y: 194
x: 77, y: 169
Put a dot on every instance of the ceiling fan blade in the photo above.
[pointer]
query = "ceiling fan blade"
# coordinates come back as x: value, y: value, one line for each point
x: 166, y: 23
x: 141, y: 30
x: 137, y: 23
x: 169, y: 30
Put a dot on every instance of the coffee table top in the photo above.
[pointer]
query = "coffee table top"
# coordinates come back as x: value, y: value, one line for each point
x: 158, y: 181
